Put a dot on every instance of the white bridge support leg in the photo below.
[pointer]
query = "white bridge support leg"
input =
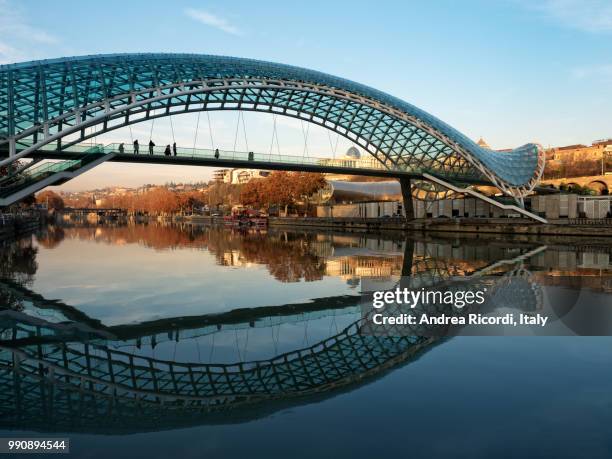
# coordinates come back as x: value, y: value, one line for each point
x: 484, y: 198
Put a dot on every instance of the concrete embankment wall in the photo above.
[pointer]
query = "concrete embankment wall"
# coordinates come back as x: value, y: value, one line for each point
x: 492, y: 226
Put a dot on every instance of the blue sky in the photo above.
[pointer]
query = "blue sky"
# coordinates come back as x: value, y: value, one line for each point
x: 512, y: 71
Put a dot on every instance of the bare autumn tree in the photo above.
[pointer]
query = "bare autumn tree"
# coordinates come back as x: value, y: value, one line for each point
x: 155, y: 201
x: 223, y: 193
x: 51, y: 199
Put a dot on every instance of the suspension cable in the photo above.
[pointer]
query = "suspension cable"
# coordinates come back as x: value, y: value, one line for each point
x: 273, y: 134
x: 246, y: 142
x: 336, y: 146
x: 212, y: 349
x: 237, y: 345
x: 275, y: 339
x: 196, y: 132
x: 278, y: 150
x: 212, y: 143
x: 333, y: 147
x: 198, y: 347
x: 246, y: 345
x: 305, y: 134
x: 172, y: 128
x: 151, y: 133
x: 236, y: 135
x: 272, y: 140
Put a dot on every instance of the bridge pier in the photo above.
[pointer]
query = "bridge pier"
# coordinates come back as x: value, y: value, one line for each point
x: 407, y: 198
x: 408, y: 258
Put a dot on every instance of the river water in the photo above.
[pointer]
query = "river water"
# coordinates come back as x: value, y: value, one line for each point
x: 157, y: 340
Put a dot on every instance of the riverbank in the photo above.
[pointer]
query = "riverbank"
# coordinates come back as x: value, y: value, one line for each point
x: 489, y: 226
x: 515, y: 226
x: 12, y: 226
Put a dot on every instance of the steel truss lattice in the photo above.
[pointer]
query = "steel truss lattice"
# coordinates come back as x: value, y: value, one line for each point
x: 45, y: 101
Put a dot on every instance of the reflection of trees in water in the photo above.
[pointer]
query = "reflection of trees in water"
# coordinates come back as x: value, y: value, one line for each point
x: 51, y: 236
x: 155, y: 236
x: 17, y: 264
x: 288, y: 258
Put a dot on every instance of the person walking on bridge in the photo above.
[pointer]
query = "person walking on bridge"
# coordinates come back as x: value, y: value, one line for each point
x: 174, y: 148
x: 216, y: 153
x: 136, y: 146
x: 121, y: 148
x: 167, y: 151
x: 151, y: 145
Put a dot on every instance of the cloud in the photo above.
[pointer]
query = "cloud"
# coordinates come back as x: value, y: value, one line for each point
x: 18, y: 35
x: 9, y: 53
x: 211, y: 20
x: 594, y: 16
x: 596, y: 71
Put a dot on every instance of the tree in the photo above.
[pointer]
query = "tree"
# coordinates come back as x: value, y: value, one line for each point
x: 278, y: 189
x: 51, y: 199
x: 281, y: 189
x: 253, y: 193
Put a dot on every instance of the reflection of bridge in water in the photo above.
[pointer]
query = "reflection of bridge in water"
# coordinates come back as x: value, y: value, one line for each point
x: 75, y: 374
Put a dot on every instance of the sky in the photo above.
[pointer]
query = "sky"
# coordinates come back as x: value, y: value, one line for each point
x: 511, y: 71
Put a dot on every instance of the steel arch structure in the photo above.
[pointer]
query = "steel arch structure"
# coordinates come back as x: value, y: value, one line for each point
x: 48, y: 101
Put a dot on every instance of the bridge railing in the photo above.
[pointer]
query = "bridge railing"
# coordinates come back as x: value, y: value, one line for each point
x: 207, y: 153
x: 245, y: 157
x: 212, y: 154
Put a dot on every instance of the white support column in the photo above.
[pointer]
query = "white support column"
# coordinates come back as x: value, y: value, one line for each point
x: 12, y: 147
x: 484, y: 198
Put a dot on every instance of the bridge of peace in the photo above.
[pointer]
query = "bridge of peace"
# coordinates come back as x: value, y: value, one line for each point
x: 50, y: 109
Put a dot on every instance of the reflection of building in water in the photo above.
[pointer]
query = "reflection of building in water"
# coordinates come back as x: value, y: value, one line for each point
x: 351, y: 267
x: 236, y: 259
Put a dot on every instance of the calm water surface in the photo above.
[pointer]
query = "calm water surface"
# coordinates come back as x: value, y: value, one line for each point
x: 157, y: 340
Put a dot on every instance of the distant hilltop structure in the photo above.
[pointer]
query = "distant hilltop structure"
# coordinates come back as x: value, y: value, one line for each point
x: 482, y: 143
x: 595, y: 151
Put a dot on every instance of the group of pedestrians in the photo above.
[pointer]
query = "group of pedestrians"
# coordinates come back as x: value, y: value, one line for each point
x: 169, y: 151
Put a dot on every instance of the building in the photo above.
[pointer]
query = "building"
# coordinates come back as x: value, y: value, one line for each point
x: 352, y: 158
x: 482, y: 143
x: 340, y: 198
x: 238, y: 176
x: 594, y: 151
x: 220, y: 174
x: 579, y: 160
x: 587, y: 166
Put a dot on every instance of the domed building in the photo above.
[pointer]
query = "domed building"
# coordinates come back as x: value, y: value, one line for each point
x: 352, y: 153
x: 482, y: 143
